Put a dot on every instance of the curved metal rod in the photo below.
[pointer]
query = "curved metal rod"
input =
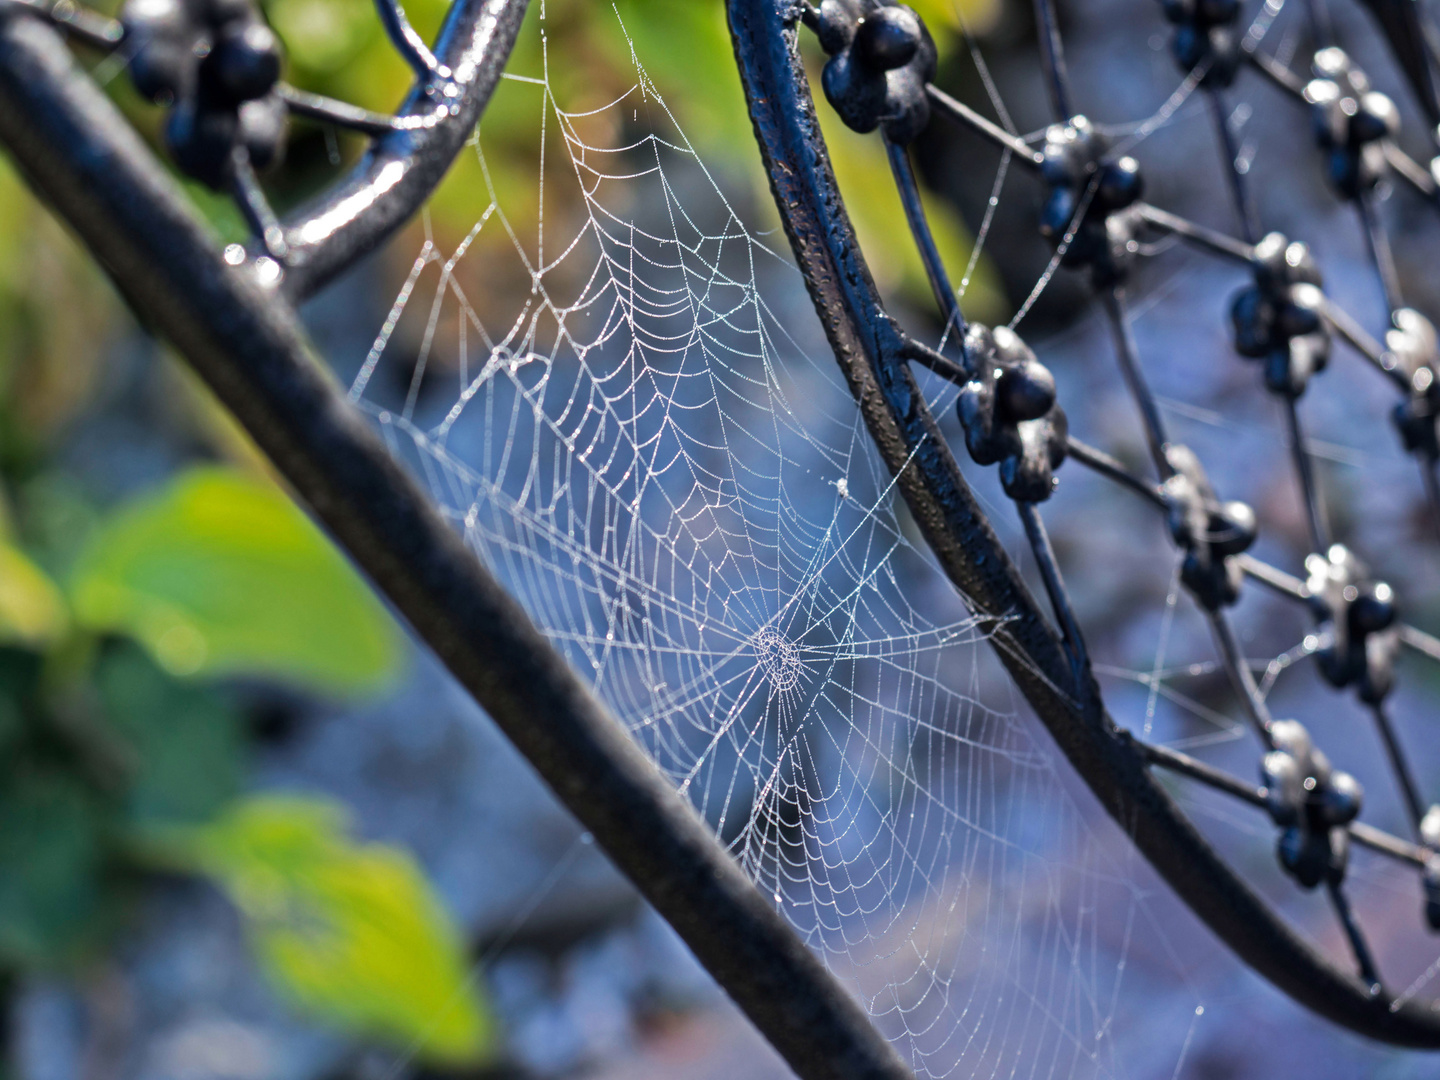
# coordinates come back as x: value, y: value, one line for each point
x: 403, y: 167
x: 867, y: 345
x: 77, y: 152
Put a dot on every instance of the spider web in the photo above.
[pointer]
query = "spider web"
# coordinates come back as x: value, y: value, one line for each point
x: 650, y: 445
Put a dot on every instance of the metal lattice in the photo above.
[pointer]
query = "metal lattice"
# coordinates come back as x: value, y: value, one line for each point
x: 880, y: 75
x: 214, y: 67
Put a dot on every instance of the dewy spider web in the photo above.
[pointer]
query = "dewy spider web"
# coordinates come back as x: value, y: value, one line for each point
x: 668, y: 471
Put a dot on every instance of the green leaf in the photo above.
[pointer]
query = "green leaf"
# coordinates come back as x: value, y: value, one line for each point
x: 51, y: 858
x: 352, y: 932
x: 219, y: 573
x: 32, y: 611
x: 185, y: 744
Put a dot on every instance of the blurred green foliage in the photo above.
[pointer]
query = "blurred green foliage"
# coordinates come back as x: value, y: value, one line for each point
x: 115, y: 624
x: 81, y: 763
x: 185, y: 745
x: 351, y: 930
x: 220, y: 574
x: 32, y: 611
x: 119, y: 758
x: 53, y: 818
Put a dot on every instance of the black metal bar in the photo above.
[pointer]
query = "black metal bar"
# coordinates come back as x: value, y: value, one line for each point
x: 1378, y: 840
x: 1203, y: 772
x: 1378, y: 241
x: 1210, y: 239
x: 1305, y: 473
x: 962, y: 113
x: 1431, y: 482
x: 254, y: 206
x: 867, y: 346
x: 1277, y: 73
x: 937, y: 362
x: 1404, y: 779
x: 77, y: 151
x: 1107, y: 466
x: 1365, y: 835
x: 924, y: 240
x: 1363, y: 958
x: 1277, y: 580
x: 1409, y: 33
x: 1055, y: 588
x: 1242, y: 677
x: 1244, y: 208
x: 403, y: 167
x: 1052, y: 53
x: 1322, y: 28
x: 1128, y: 355
x: 1409, y: 170
x: 1426, y: 644
x: 342, y: 114
x: 1354, y: 335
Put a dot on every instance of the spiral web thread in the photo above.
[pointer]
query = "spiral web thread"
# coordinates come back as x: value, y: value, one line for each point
x: 666, y: 468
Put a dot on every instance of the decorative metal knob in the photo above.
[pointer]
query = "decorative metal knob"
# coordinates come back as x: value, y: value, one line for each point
x: 1010, y: 415
x: 1312, y: 802
x: 1209, y: 531
x: 1100, y: 192
x: 1278, y: 319
x: 215, y: 64
x: 1352, y: 122
x: 1358, y: 613
x: 881, y: 57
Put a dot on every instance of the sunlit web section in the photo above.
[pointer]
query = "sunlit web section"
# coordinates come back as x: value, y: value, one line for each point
x: 645, y: 438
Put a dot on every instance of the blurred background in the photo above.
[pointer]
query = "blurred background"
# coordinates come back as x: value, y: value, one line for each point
x: 249, y: 829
